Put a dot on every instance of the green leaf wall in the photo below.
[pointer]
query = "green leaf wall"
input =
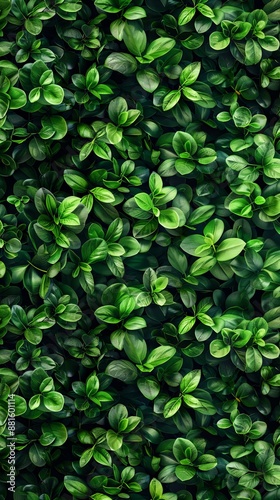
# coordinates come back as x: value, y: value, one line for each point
x: 140, y: 249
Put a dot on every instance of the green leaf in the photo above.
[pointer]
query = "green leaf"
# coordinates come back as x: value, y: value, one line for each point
x: 214, y: 229
x: 218, y: 41
x: 160, y: 355
x: 272, y: 476
x: 102, y: 456
x: 114, y: 134
x: 135, y: 347
x: 116, y: 415
x: 159, y: 47
x: 206, y: 462
x: 4, y: 104
x: 37, y: 455
x: 100, y: 496
x: 92, y: 386
x: 169, y: 219
x: 193, y: 350
x: 85, y: 457
x: 155, y: 183
x: 102, y: 150
x: 108, y: 314
x: 133, y: 13
x: 229, y: 249
x: 149, y: 387
x: 186, y: 15
x: 142, y: 229
x: 184, y: 472
x: 148, y: 79
x: 236, y: 469
x: 269, y: 43
x: 253, y: 360
x: 201, y: 214
x: 108, y: 6
x: 85, y: 151
x: 33, y: 26
x: 272, y: 169
x: 57, y: 124
x: 242, y: 424
x: 190, y: 381
x: 18, y: 98
x: 241, y: 207
x: 236, y: 162
x: 134, y: 38
x: 94, y: 250
x: 272, y: 206
x: 76, y: 487
x: 155, y: 489
x: 37, y: 148
x: 190, y: 74
x: 2, y: 269
x: 68, y: 205
x: 103, y: 195
x: 57, y: 430
x: 184, y: 448
x: 218, y: 349
x: 172, y: 407
x: 135, y: 323
x: 183, y: 142
x: 121, y: 62
x: 171, y: 99
x: 177, y: 259
x: 71, y: 313
x: 253, y: 52
x: 205, y: 10
x: 186, y: 324
x: 53, y: 401
x: 242, y: 117
x: 144, y: 201
x: 122, y: 370
x: 53, y: 94
x: 202, y: 265
x: 114, y: 440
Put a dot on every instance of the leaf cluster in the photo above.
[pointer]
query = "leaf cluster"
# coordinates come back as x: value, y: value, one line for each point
x: 139, y: 248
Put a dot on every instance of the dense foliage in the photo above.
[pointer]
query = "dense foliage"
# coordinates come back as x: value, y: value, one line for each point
x: 140, y: 248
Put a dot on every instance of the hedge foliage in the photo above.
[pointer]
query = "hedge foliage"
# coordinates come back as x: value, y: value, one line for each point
x: 140, y: 248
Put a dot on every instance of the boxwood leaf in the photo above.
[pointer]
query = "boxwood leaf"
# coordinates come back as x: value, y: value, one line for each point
x: 53, y: 94
x: 124, y: 63
x: 149, y: 387
x: 53, y: 401
x: 169, y: 218
x: 236, y: 469
x: 57, y: 430
x: 218, y: 41
x: 229, y: 249
x: 272, y: 476
x: 94, y: 250
x: 148, y: 79
x: 76, y: 487
x: 190, y: 381
x: 122, y: 370
x: 171, y: 99
x: 160, y: 355
x: 159, y: 47
x: 155, y: 489
x: 186, y: 15
x: 190, y: 74
x: 218, y: 349
x: 172, y: 407
x: 108, y: 314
